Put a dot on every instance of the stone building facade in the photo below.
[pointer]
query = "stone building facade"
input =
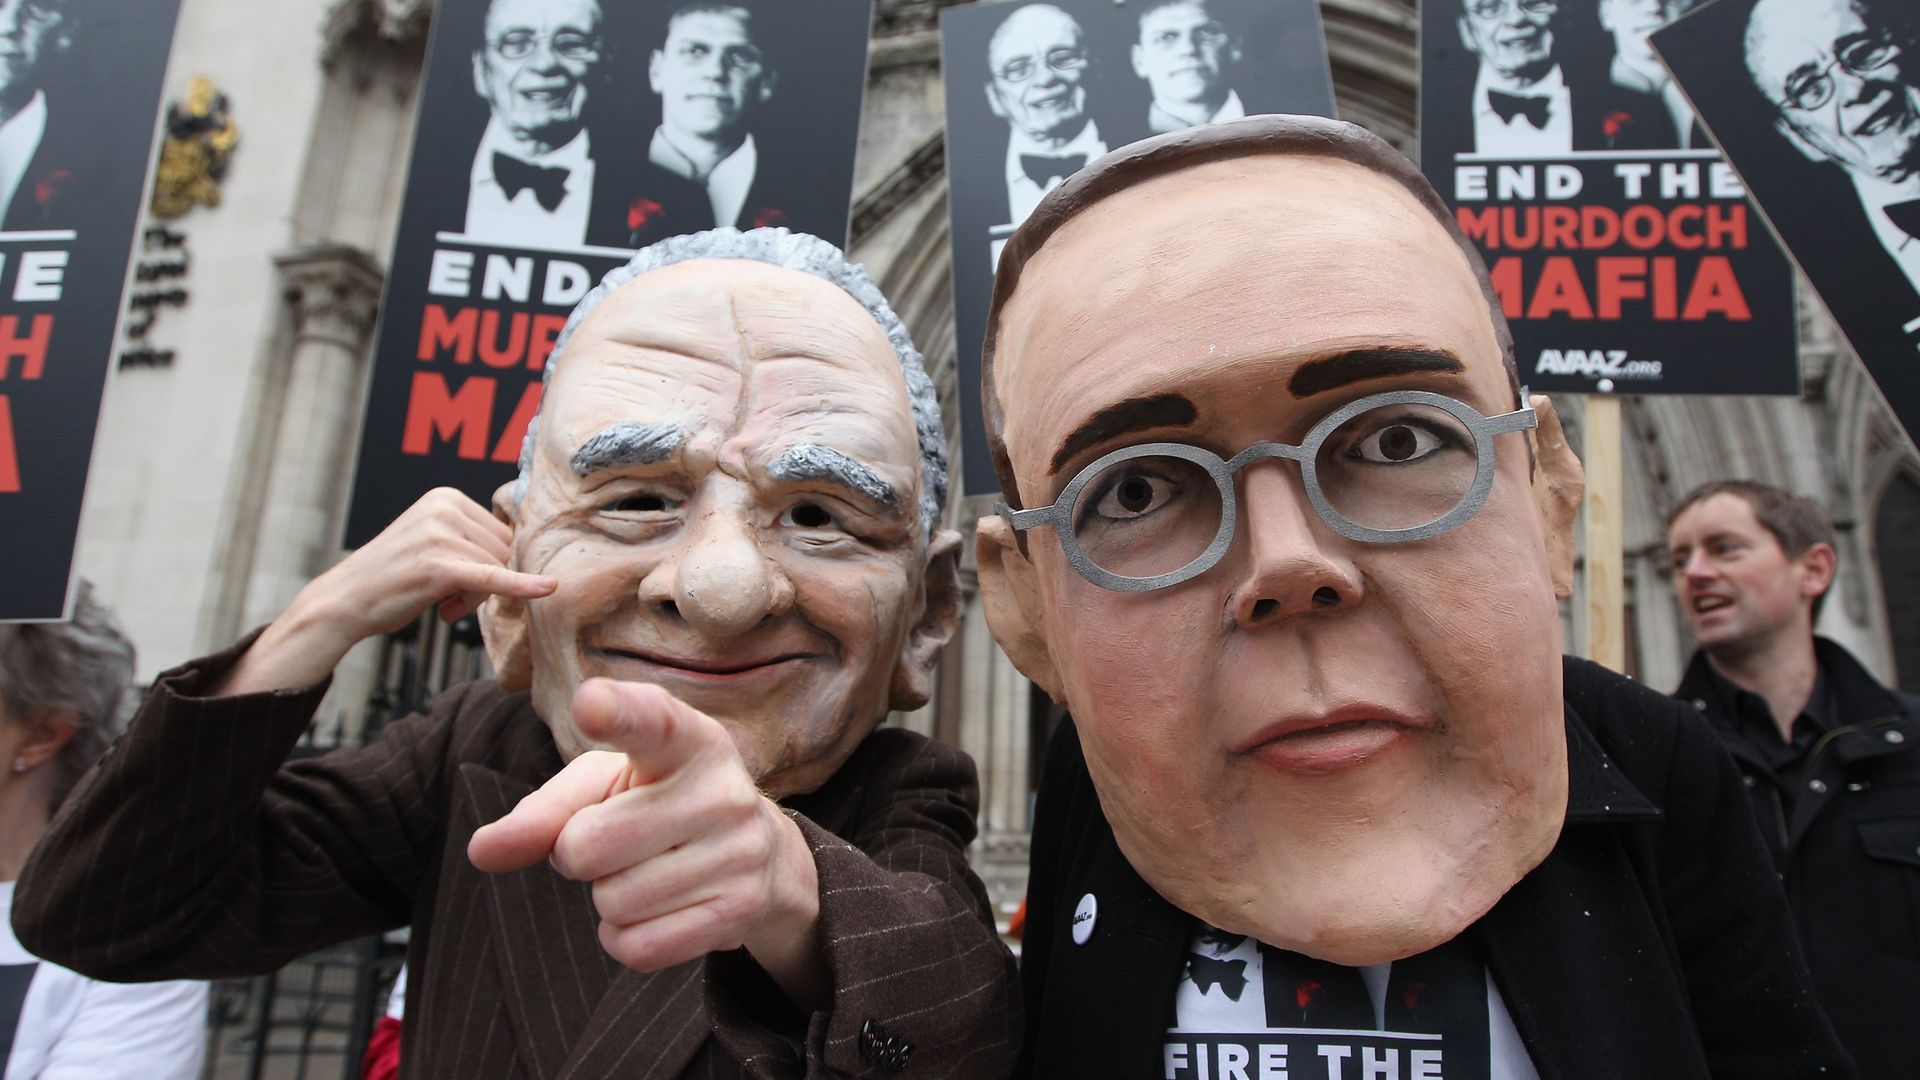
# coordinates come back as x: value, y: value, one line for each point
x: 220, y: 479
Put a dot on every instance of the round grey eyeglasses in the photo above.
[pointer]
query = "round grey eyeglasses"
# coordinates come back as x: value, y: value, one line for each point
x: 1386, y: 469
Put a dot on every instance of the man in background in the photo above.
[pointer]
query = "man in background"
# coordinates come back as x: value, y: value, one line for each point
x: 1186, y: 55
x: 1830, y: 758
x: 1036, y: 82
x: 533, y: 175
x: 1644, y: 109
x: 704, y: 167
x: 63, y: 686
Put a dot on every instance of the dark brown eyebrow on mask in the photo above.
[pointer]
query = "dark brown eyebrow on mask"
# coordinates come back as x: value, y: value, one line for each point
x: 1160, y: 410
x: 1358, y: 365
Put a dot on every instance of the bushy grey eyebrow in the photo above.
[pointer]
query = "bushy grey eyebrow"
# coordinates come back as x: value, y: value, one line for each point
x: 628, y: 442
x: 811, y: 461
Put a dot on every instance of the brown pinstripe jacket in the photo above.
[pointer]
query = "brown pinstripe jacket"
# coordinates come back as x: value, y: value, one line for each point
x: 192, y: 851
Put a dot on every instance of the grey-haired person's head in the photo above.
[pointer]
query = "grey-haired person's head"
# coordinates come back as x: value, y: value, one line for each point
x: 79, y: 672
x: 809, y: 255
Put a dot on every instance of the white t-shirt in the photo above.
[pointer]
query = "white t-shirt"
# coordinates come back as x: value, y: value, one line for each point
x: 1223, y: 1030
x: 69, y: 1027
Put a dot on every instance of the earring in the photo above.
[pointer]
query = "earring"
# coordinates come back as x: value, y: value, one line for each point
x: 19, y: 764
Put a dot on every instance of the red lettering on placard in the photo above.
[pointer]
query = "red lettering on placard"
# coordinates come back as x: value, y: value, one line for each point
x: 515, y: 433
x: 434, y: 412
x: 30, y: 349
x: 1559, y: 292
x: 1594, y: 228
x: 545, y: 329
x: 9, y: 457
x: 493, y: 352
x: 439, y: 332
x: 1621, y: 278
x: 1716, y: 291
x: 1481, y: 226
x: 465, y: 332
x: 1507, y: 285
x: 1619, y: 283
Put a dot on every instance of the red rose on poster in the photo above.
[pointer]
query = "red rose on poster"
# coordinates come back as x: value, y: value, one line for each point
x: 641, y: 211
x: 1305, y: 992
x: 767, y: 217
x: 1615, y: 122
x: 49, y: 184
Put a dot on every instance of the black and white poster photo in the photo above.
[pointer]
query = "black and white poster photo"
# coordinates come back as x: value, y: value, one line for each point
x: 80, y: 84
x: 1543, y: 78
x: 1817, y: 104
x: 555, y: 137
x: 1036, y: 90
x: 42, y: 113
x: 614, y: 125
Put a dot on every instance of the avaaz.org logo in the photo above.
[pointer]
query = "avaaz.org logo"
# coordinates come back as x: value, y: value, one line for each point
x: 1595, y: 364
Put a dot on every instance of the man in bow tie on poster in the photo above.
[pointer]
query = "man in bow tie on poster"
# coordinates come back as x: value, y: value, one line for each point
x: 1037, y: 69
x: 35, y: 169
x: 1522, y: 105
x: 533, y: 175
x: 704, y: 167
x: 1186, y: 55
x: 1843, y: 93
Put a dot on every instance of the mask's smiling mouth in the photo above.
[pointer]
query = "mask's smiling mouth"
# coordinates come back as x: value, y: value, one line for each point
x: 706, y: 667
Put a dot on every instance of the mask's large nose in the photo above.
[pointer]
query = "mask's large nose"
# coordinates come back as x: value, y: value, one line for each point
x: 1290, y: 565
x: 724, y: 583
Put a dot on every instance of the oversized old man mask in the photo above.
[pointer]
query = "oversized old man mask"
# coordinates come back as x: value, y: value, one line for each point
x: 1279, y: 540
x: 735, y: 476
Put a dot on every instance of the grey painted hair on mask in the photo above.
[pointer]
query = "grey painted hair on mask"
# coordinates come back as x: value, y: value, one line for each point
x: 810, y: 255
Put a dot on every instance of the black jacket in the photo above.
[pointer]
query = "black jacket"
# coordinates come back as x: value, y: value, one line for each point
x: 1850, y: 855
x: 1651, y: 942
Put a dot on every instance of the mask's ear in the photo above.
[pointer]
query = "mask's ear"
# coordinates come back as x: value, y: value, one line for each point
x: 503, y: 619
x: 1558, y: 484
x: 939, y: 618
x: 1010, y: 594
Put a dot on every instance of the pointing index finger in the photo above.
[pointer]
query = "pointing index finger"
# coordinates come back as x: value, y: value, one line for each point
x: 659, y: 733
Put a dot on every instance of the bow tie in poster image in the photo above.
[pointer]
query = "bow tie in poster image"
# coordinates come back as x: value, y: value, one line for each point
x: 80, y: 84
x: 1817, y: 104
x: 556, y: 137
x: 1036, y: 90
x: 1623, y: 247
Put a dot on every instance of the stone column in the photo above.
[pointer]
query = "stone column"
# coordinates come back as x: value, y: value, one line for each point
x: 335, y: 291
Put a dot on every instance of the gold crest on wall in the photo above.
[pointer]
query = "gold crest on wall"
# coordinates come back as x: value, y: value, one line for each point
x: 200, y: 139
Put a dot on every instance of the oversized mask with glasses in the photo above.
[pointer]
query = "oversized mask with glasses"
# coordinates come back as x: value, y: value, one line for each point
x: 1388, y: 468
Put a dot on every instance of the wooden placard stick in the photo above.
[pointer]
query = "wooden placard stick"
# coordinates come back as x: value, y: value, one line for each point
x: 1606, y: 589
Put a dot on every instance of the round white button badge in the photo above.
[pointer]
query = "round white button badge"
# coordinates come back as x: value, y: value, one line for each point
x: 1083, y: 918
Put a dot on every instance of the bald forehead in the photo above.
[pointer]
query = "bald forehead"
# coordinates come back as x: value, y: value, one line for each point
x: 734, y: 309
x: 1325, y: 216
x: 1023, y: 27
x: 505, y: 13
x: 1783, y: 33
